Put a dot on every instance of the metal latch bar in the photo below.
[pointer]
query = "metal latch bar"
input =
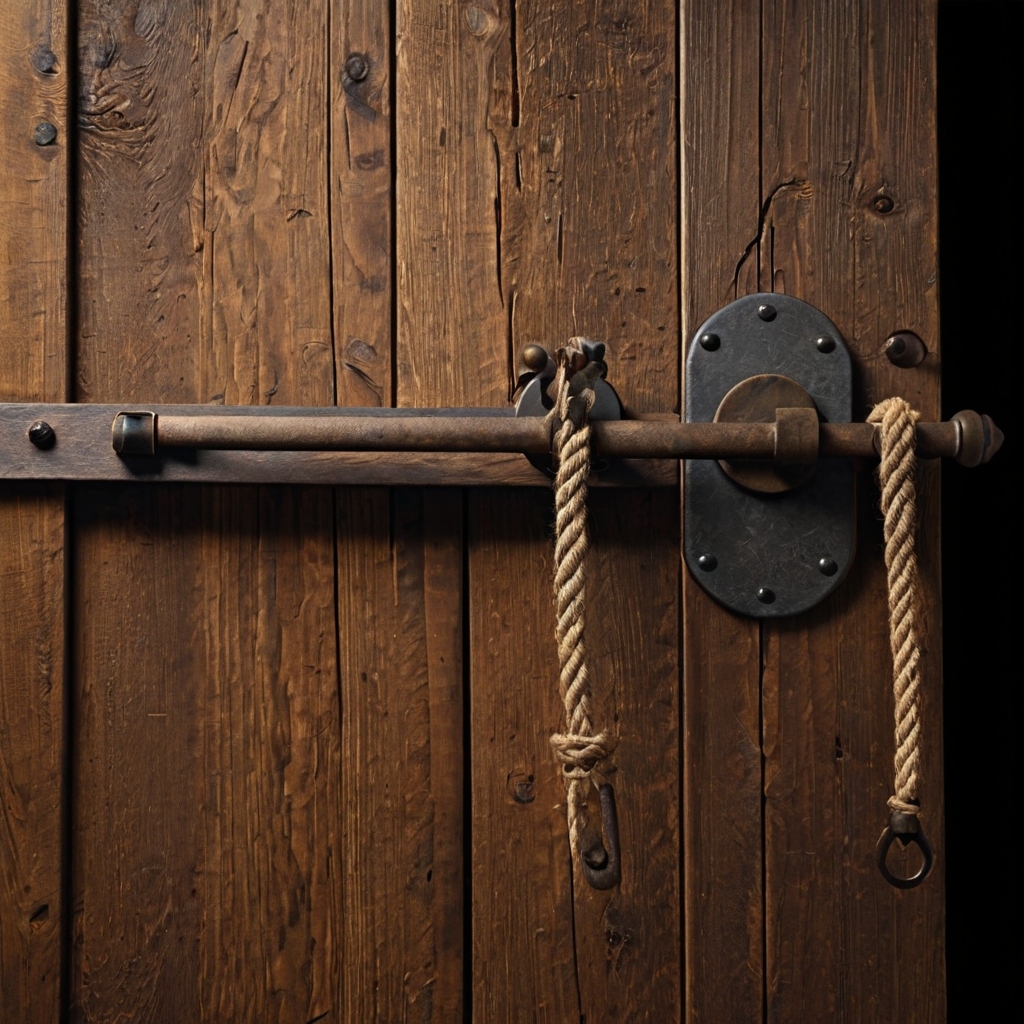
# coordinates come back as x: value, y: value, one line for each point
x: 145, y: 432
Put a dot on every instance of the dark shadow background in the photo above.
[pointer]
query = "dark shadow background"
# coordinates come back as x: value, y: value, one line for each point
x: 981, y: 63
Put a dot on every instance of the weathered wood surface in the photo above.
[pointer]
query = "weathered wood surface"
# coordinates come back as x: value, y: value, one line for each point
x: 207, y: 812
x: 310, y: 770
x: 536, y: 200
x: 33, y: 305
x: 720, y: 203
x: 844, y: 168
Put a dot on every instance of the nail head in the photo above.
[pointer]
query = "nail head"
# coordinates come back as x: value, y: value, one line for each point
x: 709, y: 342
x: 825, y: 344
x: 828, y: 567
x: 45, y: 133
x: 357, y: 67
x: 41, y: 434
x: 905, y: 350
x: 766, y: 312
x: 707, y: 562
x: 765, y: 596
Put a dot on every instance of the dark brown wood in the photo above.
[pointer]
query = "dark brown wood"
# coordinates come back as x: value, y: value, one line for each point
x: 33, y: 366
x: 362, y: 196
x: 849, y: 160
x: 207, y: 812
x: 535, y: 201
x: 836, y: 118
x: 720, y: 209
x: 400, y: 624
x: 400, y: 595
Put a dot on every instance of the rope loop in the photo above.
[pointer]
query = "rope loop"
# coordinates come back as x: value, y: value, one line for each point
x: 580, y: 749
x: 897, y: 439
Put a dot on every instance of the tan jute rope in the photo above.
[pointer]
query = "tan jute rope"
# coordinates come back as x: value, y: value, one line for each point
x: 580, y: 749
x: 896, y: 478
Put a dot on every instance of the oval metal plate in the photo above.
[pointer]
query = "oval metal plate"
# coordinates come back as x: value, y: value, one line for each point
x: 769, y: 542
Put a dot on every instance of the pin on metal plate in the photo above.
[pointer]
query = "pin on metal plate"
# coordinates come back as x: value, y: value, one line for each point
x: 758, y: 553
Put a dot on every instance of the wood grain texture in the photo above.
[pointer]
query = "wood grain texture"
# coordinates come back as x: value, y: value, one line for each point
x: 547, y: 137
x: 849, y: 116
x: 400, y: 627
x: 400, y: 594
x: 207, y: 814
x: 362, y: 196
x: 451, y: 318
x: 837, y: 112
x: 720, y: 220
x: 33, y: 343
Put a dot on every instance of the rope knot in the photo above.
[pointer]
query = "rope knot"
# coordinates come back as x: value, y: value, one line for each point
x: 580, y: 754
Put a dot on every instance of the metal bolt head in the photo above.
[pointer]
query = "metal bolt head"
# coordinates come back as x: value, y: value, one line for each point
x: 765, y: 596
x: 766, y: 312
x: 709, y: 342
x: 825, y: 344
x: 884, y: 204
x: 707, y: 562
x: 827, y: 567
x: 45, y: 133
x: 535, y: 357
x: 41, y: 434
x: 905, y: 350
x: 357, y: 67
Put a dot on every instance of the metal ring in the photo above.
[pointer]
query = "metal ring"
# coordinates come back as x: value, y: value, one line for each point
x: 882, y: 852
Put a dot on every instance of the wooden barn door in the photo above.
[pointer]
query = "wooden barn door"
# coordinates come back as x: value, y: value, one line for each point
x: 281, y: 754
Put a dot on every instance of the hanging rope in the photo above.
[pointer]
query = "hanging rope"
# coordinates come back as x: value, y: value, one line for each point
x: 896, y: 471
x: 581, y: 748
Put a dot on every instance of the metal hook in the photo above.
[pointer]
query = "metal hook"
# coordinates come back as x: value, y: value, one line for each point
x: 907, y: 829
x: 600, y: 859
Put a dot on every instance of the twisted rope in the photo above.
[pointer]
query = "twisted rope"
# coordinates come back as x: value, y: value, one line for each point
x: 579, y: 749
x: 896, y: 477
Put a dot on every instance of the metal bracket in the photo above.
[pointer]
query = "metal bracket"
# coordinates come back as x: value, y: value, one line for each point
x: 769, y: 540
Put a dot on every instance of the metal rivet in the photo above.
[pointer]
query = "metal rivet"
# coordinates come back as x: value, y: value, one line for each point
x: 709, y: 342
x: 825, y: 344
x: 905, y: 350
x: 765, y: 596
x: 357, y: 67
x: 45, y: 133
x: 884, y: 204
x: 41, y: 434
x: 828, y: 567
x: 766, y: 312
x: 707, y: 562
x: 535, y: 357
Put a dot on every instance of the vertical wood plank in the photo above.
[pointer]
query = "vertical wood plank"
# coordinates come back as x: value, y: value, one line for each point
x: 849, y: 115
x: 33, y: 336
x: 362, y: 195
x: 400, y: 622
x: 721, y: 204
x: 451, y: 320
x: 536, y: 199
x: 399, y: 593
x: 208, y: 754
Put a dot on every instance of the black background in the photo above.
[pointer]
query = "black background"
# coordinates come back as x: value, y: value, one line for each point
x: 981, y: 189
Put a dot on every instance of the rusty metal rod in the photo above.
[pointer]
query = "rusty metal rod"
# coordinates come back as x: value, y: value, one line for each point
x: 968, y: 437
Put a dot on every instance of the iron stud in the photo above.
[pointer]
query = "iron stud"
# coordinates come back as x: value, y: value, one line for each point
x: 41, y: 434
x: 45, y: 133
